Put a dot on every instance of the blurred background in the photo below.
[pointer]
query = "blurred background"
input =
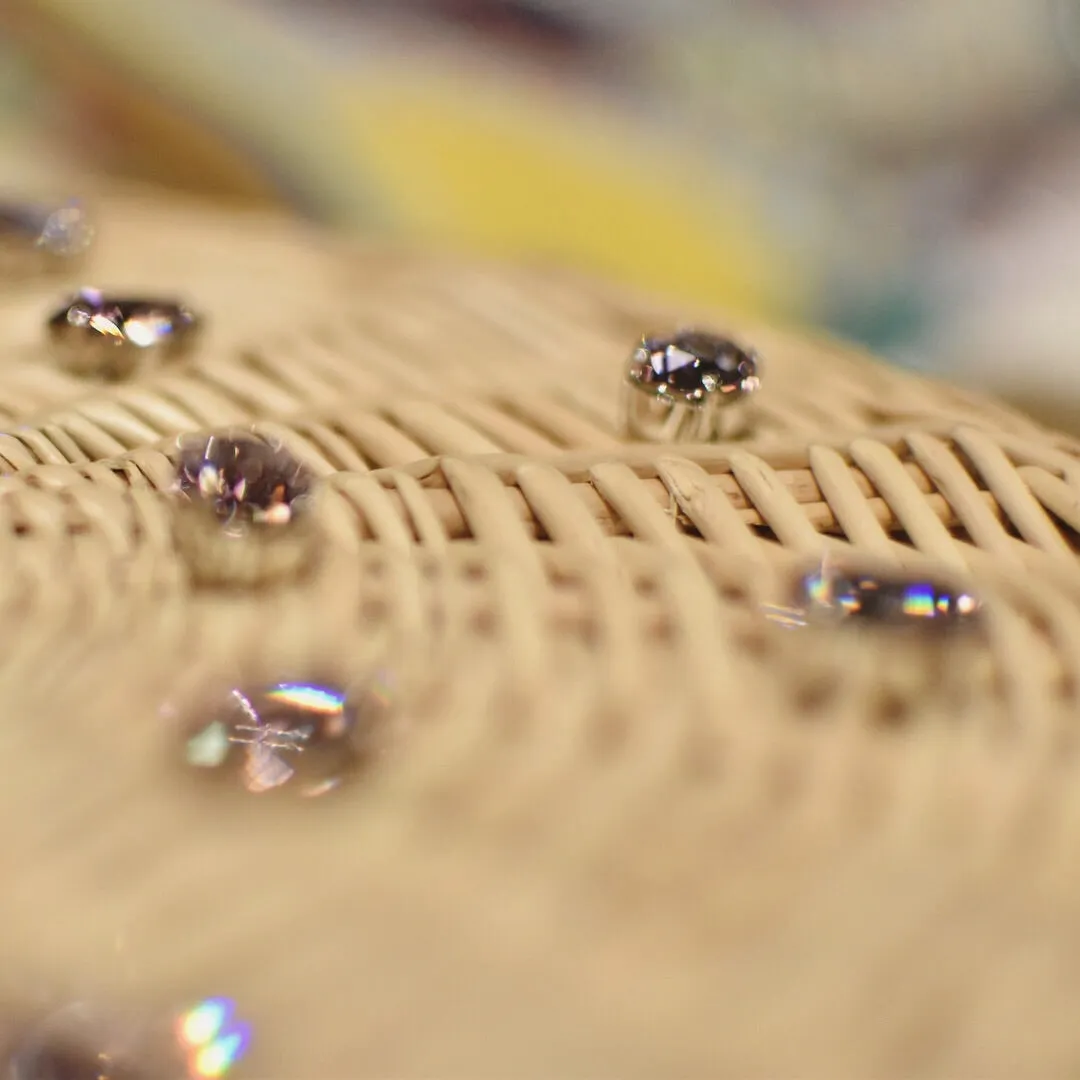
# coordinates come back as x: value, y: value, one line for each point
x: 903, y: 172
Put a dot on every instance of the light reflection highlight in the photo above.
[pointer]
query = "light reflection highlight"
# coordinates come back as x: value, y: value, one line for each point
x: 832, y: 594
x: 212, y: 1039
x: 307, y: 736
x: 315, y: 699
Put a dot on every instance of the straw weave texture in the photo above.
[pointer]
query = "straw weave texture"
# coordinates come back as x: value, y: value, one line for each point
x: 625, y: 827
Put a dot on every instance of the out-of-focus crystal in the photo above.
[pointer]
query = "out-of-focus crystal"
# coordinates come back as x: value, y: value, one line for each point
x: 110, y: 338
x: 832, y: 594
x: 243, y: 481
x: 693, y: 367
x: 302, y: 737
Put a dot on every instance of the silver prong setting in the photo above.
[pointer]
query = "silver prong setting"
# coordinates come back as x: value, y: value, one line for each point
x: 692, y: 386
x: 95, y: 335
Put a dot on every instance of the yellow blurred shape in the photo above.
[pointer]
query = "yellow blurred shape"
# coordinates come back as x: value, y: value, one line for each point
x: 515, y: 178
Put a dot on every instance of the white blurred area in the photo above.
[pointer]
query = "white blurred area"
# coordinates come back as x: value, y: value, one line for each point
x: 1008, y: 290
x: 942, y: 142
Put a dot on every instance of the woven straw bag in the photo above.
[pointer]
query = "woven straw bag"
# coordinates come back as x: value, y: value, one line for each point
x: 625, y: 827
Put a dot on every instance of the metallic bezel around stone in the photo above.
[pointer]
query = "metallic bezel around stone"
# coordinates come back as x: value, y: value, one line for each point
x: 99, y: 336
x: 682, y: 388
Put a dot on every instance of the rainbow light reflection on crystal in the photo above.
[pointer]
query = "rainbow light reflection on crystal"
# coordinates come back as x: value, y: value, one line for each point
x: 213, y: 1041
x: 315, y: 699
x: 921, y: 602
x: 862, y: 594
x: 821, y: 590
x: 382, y: 688
x: 790, y: 618
x: 818, y: 588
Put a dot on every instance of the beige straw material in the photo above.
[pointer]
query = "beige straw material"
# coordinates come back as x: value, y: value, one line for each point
x: 623, y: 824
x: 433, y: 351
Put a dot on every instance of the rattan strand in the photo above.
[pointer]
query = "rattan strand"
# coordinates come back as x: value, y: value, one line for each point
x: 943, y: 494
x: 627, y: 825
x: 606, y: 811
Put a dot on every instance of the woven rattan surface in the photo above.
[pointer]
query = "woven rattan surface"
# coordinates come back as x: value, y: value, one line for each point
x: 625, y: 825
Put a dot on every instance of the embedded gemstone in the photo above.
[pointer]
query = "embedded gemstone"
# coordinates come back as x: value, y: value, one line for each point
x: 693, y: 366
x: 304, y: 736
x: 243, y: 481
x: 66, y: 232
x: 893, y: 600
x: 98, y: 335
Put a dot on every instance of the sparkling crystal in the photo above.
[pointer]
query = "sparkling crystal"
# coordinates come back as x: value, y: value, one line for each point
x: 891, y: 599
x: 67, y: 232
x: 212, y: 1038
x: 101, y: 335
x: 693, y: 366
x: 244, y: 481
x: 304, y: 736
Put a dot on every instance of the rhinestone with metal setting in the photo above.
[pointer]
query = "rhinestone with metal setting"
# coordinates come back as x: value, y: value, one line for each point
x: 245, y: 510
x: 243, y: 481
x: 682, y: 387
x: 110, y: 338
x: 306, y: 737
x: 693, y: 366
x: 834, y: 595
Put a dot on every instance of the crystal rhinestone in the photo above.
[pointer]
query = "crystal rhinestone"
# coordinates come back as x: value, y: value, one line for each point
x: 243, y: 482
x: 94, y: 334
x: 894, y: 600
x: 693, y: 367
x: 304, y: 736
x: 245, y: 511
x: 66, y: 232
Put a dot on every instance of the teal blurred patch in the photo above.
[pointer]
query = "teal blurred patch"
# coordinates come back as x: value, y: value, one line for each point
x: 892, y: 321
